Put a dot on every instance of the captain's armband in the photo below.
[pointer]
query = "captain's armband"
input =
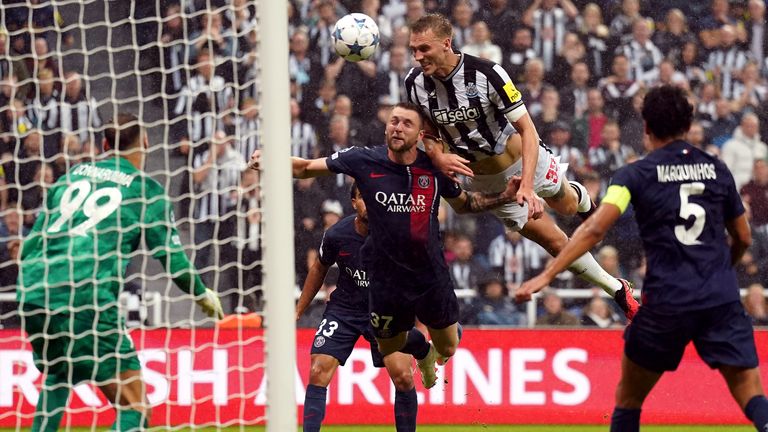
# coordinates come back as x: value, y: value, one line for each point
x: 618, y: 196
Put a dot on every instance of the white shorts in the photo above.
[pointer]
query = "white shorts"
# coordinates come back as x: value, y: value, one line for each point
x: 547, y: 181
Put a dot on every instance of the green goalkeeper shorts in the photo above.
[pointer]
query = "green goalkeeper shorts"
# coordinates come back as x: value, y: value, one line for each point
x: 79, y: 347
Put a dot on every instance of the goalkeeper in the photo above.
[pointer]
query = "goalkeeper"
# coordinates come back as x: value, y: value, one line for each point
x: 72, y: 266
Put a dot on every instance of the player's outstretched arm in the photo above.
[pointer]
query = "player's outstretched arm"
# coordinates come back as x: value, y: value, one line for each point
x: 300, y: 167
x: 476, y: 202
x: 186, y: 277
x: 741, y: 237
x: 163, y: 240
x: 312, y: 286
x: 589, y: 233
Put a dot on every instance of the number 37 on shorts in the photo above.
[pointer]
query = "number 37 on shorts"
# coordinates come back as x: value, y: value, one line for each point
x: 383, y: 321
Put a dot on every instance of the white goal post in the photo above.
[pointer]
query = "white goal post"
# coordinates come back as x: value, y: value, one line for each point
x: 278, y: 211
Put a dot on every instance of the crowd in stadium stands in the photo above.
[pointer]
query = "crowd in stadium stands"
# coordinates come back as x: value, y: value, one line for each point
x: 583, y: 68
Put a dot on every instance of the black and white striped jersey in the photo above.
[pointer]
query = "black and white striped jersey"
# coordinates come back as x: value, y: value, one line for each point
x: 468, y: 107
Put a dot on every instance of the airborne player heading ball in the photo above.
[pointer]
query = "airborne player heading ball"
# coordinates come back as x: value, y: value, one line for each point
x: 478, y: 114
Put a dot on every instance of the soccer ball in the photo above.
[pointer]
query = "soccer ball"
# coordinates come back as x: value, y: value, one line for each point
x: 355, y: 37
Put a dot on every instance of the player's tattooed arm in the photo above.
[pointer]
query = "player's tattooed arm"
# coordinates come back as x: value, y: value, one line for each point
x: 476, y: 202
x: 449, y: 164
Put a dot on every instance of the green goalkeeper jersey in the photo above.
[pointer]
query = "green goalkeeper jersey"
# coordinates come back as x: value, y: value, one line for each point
x: 93, y: 221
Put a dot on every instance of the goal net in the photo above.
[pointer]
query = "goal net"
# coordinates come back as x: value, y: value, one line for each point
x: 192, y: 73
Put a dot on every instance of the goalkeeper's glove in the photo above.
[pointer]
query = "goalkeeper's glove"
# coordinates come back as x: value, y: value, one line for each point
x: 210, y: 304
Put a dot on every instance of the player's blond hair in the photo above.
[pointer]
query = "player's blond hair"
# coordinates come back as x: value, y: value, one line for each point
x: 439, y: 25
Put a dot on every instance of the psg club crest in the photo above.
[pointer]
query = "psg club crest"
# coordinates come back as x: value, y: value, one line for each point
x: 424, y: 181
x: 319, y: 341
x: 472, y: 90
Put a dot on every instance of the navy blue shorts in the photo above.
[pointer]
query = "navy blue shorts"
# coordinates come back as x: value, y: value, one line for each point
x: 722, y: 336
x: 393, y: 312
x: 338, y: 333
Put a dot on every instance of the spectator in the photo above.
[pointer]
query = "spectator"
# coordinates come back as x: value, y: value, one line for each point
x: 757, y: 34
x: 78, y: 113
x: 534, y: 86
x: 481, y: 45
x: 573, y: 52
x: 674, y: 36
x: 461, y: 18
x: 465, y: 270
x: 750, y: 91
x: 318, y: 111
x: 559, y: 142
x: 343, y: 107
x: 611, y: 155
x: 643, y: 55
x: 20, y: 166
x: 501, y: 20
x: 371, y: 8
x: 608, y: 257
x: 11, y: 228
x: 44, y: 111
x: 515, y: 258
x: 338, y: 135
x: 212, y: 37
x: 11, y: 65
x: 389, y: 80
x: 725, y: 61
x: 632, y: 127
x: 32, y: 197
x: 374, y: 130
x: 755, y: 304
x: 706, y: 107
x: 494, y: 307
x: 695, y: 136
x: 303, y: 136
x: 619, y: 88
x: 597, y: 313
x: 248, y: 242
x: 621, y: 26
x: 595, y: 36
x: 755, y: 196
x: 321, y: 43
x: 216, y: 177
x: 748, y: 270
x: 710, y: 26
x: 690, y: 64
x: 573, y: 97
x: 588, y: 129
x: 740, y: 152
x: 205, y: 101
x: 173, y: 51
x: 550, y: 112
x: 550, y: 20
x: 519, y: 54
x: 308, y: 196
x: 554, y: 314
x: 248, y: 129
x: 668, y: 75
x: 357, y: 81
x: 303, y: 68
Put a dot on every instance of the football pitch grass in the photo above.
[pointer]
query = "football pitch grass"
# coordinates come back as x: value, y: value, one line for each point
x: 470, y: 428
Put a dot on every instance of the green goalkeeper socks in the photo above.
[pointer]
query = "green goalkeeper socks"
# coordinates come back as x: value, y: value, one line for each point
x: 130, y: 421
x: 50, y: 406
